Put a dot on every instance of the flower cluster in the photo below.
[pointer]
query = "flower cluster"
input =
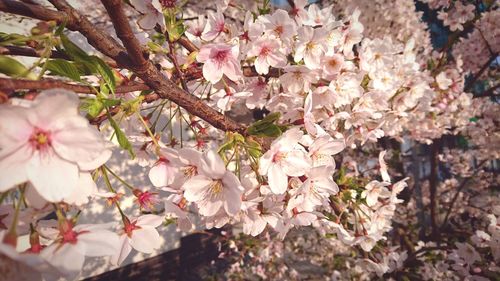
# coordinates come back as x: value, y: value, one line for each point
x: 324, y: 95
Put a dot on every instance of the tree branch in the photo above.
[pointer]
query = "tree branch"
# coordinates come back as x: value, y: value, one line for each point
x: 488, y: 93
x: 32, y: 11
x: 124, y: 31
x: 108, y: 46
x: 455, y: 197
x: 480, y: 72
x: 22, y: 84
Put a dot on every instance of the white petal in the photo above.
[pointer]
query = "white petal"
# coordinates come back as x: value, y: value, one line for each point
x: 99, y: 243
x: 52, y: 106
x: 297, y: 163
x: 278, y: 181
x: 232, y: 192
x: 78, y: 144
x: 13, y: 168
x: 162, y: 174
x: 65, y: 258
x: 195, y: 188
x: 212, y: 165
x: 211, y: 72
x: 145, y: 240
x: 53, y: 177
x: 149, y: 220
x: 124, y: 251
x: 86, y: 188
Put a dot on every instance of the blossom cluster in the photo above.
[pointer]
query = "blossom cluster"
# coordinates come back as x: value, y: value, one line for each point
x: 331, y: 92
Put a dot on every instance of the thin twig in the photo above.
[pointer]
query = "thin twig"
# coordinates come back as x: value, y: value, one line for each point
x: 22, y: 84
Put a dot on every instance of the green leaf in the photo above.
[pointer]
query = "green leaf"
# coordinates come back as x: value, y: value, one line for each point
x: 13, y: 68
x: 105, y: 71
x: 175, y: 31
x: 93, y: 107
x: 120, y: 136
x: 110, y: 102
x: 63, y: 68
x: 254, y: 148
x: 72, y: 50
x: 270, y: 130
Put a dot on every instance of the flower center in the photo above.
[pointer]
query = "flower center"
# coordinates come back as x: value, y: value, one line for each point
x: 216, y: 187
x: 265, y: 51
x: 129, y: 227
x: 279, y: 29
x: 279, y: 156
x: 40, y: 140
x: 221, y: 56
x: 190, y: 171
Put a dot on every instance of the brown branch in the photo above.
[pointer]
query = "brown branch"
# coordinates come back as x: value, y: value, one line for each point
x: 249, y: 71
x: 480, y: 72
x: 32, y: 11
x: 124, y: 31
x: 152, y: 77
x: 163, y: 86
x: 55, y: 54
x: 433, y: 183
x: 455, y: 197
x: 22, y: 84
x: 29, y: 52
x: 488, y: 93
x: 186, y: 43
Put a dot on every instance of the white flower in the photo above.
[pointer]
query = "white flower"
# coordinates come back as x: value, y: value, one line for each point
x: 214, y: 188
x: 285, y: 158
x: 141, y: 234
x: 164, y: 170
x: 74, y: 243
x: 311, y: 46
x: 48, y: 144
x: 151, y: 11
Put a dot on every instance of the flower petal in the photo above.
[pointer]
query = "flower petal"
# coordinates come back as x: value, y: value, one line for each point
x: 53, y: 177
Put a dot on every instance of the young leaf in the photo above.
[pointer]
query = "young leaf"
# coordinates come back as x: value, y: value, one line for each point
x: 105, y: 71
x: 63, y: 68
x: 12, y: 67
x: 73, y: 50
x: 121, y: 137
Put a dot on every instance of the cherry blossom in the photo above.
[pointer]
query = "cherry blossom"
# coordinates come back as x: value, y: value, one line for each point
x: 140, y: 234
x: 220, y: 59
x: 48, y: 147
x: 214, y: 188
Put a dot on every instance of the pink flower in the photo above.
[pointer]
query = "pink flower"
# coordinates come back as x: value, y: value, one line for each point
x: 268, y: 53
x: 138, y: 233
x: 74, y: 243
x: 279, y: 24
x: 285, y: 158
x: 311, y: 46
x: 215, y: 188
x: 220, y: 59
x: 146, y: 199
x: 48, y: 144
x: 215, y: 26
x: 164, y: 170
x: 151, y: 11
